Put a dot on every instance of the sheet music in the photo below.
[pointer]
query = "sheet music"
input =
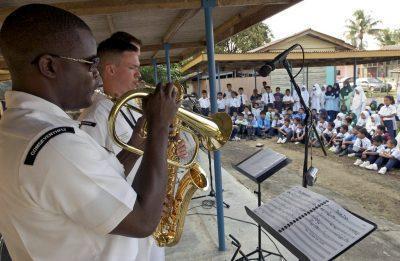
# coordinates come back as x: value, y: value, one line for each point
x: 315, y: 225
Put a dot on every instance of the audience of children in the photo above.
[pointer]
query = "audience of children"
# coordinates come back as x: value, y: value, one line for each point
x: 367, y: 134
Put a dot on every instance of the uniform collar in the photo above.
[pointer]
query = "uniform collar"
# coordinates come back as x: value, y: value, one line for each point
x: 23, y: 100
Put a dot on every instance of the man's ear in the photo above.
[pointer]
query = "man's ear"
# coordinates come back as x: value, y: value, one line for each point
x: 48, y: 66
x: 110, y: 69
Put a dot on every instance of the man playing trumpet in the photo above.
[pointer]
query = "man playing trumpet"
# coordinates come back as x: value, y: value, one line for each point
x: 62, y: 195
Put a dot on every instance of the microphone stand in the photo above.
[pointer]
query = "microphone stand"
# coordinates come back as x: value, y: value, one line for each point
x: 309, y: 123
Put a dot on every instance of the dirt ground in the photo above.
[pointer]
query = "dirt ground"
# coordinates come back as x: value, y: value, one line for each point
x: 374, y: 196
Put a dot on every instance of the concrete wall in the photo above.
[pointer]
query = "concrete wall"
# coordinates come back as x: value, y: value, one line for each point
x: 278, y: 78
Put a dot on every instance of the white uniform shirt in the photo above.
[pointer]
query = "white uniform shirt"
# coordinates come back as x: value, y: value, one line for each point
x: 221, y: 104
x: 268, y: 98
x: 204, y: 103
x: 361, y: 144
x: 385, y: 111
x: 256, y: 112
x: 234, y: 102
x: 98, y: 113
x: 242, y: 98
x: 60, y: 196
x: 287, y: 98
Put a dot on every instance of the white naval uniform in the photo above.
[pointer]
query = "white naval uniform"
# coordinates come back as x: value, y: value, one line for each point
x: 61, y: 194
x: 98, y: 113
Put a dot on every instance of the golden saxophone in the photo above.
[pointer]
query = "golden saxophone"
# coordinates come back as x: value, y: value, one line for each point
x: 213, y: 132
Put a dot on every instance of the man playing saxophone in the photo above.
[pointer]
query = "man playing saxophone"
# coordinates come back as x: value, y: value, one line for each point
x: 63, y: 196
x: 119, y: 68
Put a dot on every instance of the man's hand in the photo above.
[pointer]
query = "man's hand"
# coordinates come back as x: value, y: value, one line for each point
x: 136, y: 139
x: 181, y: 149
x: 161, y: 107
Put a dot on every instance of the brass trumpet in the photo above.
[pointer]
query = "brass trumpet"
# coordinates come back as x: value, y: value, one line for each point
x: 213, y: 132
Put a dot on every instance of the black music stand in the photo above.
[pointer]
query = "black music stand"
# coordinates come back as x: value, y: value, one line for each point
x: 258, y: 167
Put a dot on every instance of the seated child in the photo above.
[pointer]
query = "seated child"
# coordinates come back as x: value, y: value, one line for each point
x: 321, y: 125
x: 241, y: 122
x: 299, y: 134
x: 285, y: 132
x: 275, y: 125
x: 256, y: 110
x: 329, y: 134
x: 339, y: 121
x: 361, y: 144
x: 381, y: 131
x: 339, y: 138
x: 301, y: 114
x: 362, y: 119
x: 246, y: 112
x: 370, y: 155
x: 388, y: 159
x: 347, y: 144
x: 235, y: 128
x: 251, y: 127
x: 263, y: 126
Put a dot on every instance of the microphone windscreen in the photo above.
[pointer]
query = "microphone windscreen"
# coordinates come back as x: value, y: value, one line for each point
x: 265, y: 70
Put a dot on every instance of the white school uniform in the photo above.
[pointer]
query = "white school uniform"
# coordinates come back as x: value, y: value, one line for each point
x: 61, y: 192
x: 268, y: 98
x: 386, y: 111
x: 221, y: 104
x: 361, y: 144
x: 204, y: 103
x: 256, y: 112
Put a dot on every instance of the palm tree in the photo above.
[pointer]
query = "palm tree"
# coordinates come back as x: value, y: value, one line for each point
x: 388, y: 37
x: 361, y: 25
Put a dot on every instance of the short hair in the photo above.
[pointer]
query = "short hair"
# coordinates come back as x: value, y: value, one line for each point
x: 115, y: 46
x: 228, y: 84
x: 363, y: 131
x: 126, y: 37
x: 219, y: 93
x: 267, y: 87
x: 287, y: 120
x: 251, y: 114
x: 357, y: 128
x: 36, y: 29
x: 241, y: 88
x: 331, y: 124
x: 345, y: 127
x: 287, y: 90
x: 378, y: 138
x: 393, y: 141
x: 240, y: 114
x: 263, y: 112
x: 289, y: 109
x: 277, y: 88
x: 204, y: 91
x: 381, y: 127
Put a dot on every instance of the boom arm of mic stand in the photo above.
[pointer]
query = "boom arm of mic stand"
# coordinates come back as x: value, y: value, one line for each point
x: 286, y: 65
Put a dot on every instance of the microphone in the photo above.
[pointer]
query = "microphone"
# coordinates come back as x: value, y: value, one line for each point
x: 268, y: 67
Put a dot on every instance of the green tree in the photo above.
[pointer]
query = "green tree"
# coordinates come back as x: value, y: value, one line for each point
x: 388, y: 37
x: 359, y: 26
x: 246, y: 40
x: 147, y: 73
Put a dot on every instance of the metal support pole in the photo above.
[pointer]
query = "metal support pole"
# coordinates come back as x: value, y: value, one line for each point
x: 307, y: 82
x: 255, y: 78
x: 219, y: 78
x: 198, y: 83
x: 208, y: 6
x: 355, y: 71
x: 167, y: 47
x: 155, y: 71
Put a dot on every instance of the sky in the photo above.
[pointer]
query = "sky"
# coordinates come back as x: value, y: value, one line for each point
x: 329, y: 17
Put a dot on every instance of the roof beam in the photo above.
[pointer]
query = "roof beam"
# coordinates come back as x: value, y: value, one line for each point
x: 110, y: 23
x: 179, y: 21
x: 86, y: 7
x: 160, y: 46
x: 239, y: 22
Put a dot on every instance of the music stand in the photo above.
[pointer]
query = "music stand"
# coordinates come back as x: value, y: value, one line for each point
x: 258, y: 167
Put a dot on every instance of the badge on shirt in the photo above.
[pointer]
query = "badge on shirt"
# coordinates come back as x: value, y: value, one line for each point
x: 39, y: 144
